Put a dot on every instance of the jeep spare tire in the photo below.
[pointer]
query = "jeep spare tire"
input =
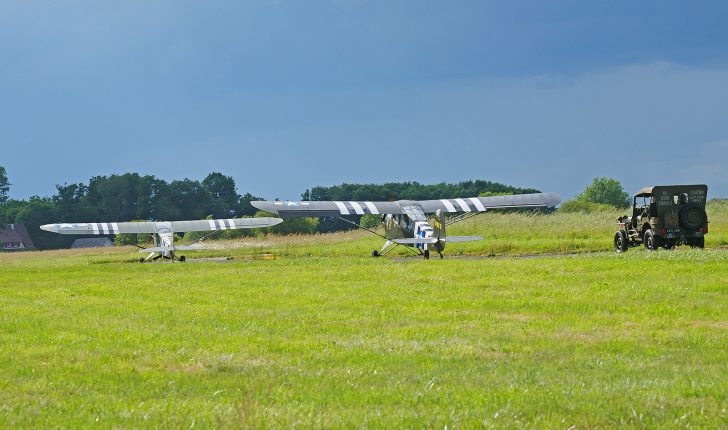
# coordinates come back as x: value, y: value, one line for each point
x: 692, y: 216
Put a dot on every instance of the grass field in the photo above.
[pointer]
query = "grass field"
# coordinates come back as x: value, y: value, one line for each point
x: 311, y: 332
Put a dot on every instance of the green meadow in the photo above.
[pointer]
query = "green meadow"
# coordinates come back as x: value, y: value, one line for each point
x: 540, y: 325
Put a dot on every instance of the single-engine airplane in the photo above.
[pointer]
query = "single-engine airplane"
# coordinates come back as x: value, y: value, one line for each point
x: 163, y: 231
x: 406, y: 221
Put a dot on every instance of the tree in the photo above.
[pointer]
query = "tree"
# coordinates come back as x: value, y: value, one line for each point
x: 244, y: 206
x: 606, y: 191
x: 4, y: 185
x: 292, y: 225
x: 225, y: 198
x: 70, y: 203
x: 191, y: 199
x: 36, y: 213
x: 115, y: 197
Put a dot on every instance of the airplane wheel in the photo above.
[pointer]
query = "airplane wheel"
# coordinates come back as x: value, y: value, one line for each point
x: 375, y: 253
x: 441, y: 256
x: 182, y: 259
x: 427, y: 254
x: 141, y: 260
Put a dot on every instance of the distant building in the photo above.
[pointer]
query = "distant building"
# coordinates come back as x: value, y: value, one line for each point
x: 92, y: 242
x: 15, y: 238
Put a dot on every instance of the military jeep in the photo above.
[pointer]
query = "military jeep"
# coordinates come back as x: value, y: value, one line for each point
x: 664, y: 216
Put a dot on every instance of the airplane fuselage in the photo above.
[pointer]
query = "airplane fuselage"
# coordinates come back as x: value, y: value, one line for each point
x: 401, y: 226
x: 164, y: 237
x: 413, y: 224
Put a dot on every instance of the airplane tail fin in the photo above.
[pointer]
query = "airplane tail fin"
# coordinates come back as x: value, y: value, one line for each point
x: 188, y: 248
x: 461, y: 238
x: 158, y: 249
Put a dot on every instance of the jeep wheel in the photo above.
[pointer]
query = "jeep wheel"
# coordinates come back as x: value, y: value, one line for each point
x: 651, y: 241
x: 698, y: 242
x: 669, y: 244
x: 620, y: 242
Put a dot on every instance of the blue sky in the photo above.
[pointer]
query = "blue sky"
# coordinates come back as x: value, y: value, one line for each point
x: 285, y: 95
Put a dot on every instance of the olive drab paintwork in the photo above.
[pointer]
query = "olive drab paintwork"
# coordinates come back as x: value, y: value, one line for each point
x: 665, y: 216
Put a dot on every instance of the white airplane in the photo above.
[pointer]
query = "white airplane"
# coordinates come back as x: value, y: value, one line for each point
x: 163, y: 231
x: 406, y: 221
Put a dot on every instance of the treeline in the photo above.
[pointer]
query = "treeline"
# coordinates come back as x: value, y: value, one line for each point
x: 131, y: 196
x: 411, y: 191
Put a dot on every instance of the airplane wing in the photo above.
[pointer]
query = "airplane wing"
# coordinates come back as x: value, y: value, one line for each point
x: 224, y: 224
x: 482, y: 204
x: 326, y: 208
x: 472, y: 204
x: 107, y: 228
x: 101, y: 228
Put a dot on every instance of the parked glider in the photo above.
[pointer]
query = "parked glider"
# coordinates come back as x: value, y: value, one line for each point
x: 163, y: 231
x: 406, y: 221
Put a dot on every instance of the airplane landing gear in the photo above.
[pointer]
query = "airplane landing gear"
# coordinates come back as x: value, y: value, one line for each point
x: 182, y: 259
x: 426, y: 254
x: 441, y: 256
x: 375, y: 253
x: 151, y: 257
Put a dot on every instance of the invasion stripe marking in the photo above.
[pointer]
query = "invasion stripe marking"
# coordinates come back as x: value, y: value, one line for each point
x: 448, y: 205
x: 357, y: 208
x: 212, y: 225
x: 342, y: 208
x: 115, y: 227
x: 231, y: 223
x: 372, y: 208
x: 463, y: 205
x: 477, y: 204
x: 95, y: 227
x: 105, y: 227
